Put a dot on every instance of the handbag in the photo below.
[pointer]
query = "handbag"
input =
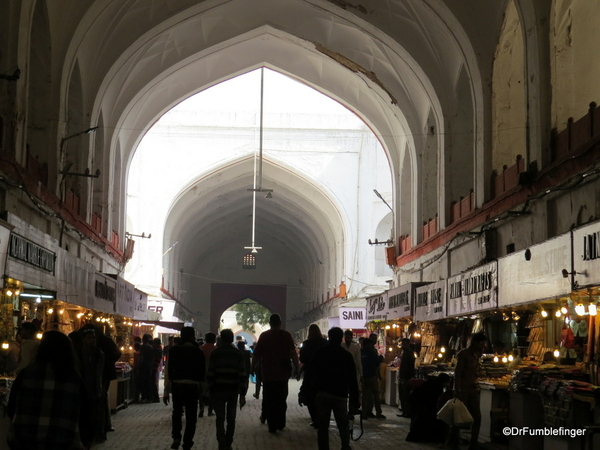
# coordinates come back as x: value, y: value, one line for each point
x: 455, y: 413
x: 462, y: 416
x: 446, y: 413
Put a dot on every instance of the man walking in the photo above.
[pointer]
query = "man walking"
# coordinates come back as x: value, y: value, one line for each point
x: 370, y: 380
x: 354, y: 350
x: 186, y: 369
x: 466, y: 388
x: 207, y: 349
x: 275, y: 350
x: 227, y: 378
x: 406, y: 371
x: 333, y: 376
x: 145, y: 364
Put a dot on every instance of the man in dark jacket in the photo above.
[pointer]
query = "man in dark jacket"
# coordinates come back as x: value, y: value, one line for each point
x: 227, y: 378
x: 185, y: 371
x: 333, y: 375
x: 406, y: 371
x: 370, y: 380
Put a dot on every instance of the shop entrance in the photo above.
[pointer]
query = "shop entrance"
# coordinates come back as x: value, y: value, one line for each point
x: 224, y: 295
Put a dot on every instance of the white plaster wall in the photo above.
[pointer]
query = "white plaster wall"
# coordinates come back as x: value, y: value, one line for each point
x: 508, y: 97
x: 575, y: 67
x: 333, y: 148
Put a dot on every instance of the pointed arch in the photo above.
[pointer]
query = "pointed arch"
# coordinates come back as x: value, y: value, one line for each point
x: 38, y: 160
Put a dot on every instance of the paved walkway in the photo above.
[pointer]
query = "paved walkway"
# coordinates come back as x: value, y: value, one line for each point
x: 148, y: 427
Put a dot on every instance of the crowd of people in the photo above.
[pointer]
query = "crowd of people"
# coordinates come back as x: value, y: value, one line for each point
x: 60, y: 396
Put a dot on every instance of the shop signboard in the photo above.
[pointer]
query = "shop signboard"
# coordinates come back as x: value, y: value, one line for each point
x: 400, y: 300
x: 166, y: 308
x: 535, y: 273
x: 140, y: 305
x: 4, y: 240
x: 430, y: 302
x: 586, y: 255
x: 377, y: 307
x: 353, y: 317
x: 124, y: 297
x: 31, y: 255
x: 105, y: 294
x: 473, y: 291
x: 76, y: 279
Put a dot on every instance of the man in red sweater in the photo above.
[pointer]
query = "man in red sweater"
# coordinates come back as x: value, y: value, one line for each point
x: 275, y: 351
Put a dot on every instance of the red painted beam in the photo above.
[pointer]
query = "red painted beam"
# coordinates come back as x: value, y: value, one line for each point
x: 553, y: 175
x: 19, y: 175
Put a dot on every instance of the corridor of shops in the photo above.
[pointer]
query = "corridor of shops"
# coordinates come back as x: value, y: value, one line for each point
x: 148, y: 427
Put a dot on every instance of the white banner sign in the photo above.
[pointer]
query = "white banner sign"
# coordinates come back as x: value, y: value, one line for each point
x: 166, y: 309
x: 377, y: 307
x: 430, y: 303
x: 140, y: 305
x: 586, y: 253
x: 353, y: 317
x: 476, y: 290
x: 105, y: 294
x: 535, y: 273
x: 400, y: 301
x: 124, y: 297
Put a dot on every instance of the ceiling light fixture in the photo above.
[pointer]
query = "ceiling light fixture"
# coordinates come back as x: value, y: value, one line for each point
x: 258, y: 167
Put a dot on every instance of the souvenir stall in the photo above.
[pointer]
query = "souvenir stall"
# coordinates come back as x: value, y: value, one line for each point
x: 377, y: 313
x: 432, y: 330
x: 27, y: 264
x: 430, y: 307
x: 474, y: 294
x: 400, y: 305
x: 551, y: 377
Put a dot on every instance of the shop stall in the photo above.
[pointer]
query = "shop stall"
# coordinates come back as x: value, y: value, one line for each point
x: 474, y: 294
x: 430, y: 310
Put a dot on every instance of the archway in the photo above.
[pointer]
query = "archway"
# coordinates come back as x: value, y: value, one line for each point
x: 225, y: 295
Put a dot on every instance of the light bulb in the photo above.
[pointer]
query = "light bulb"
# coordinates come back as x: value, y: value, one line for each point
x: 38, y: 336
x: 390, y: 349
x: 592, y: 309
x: 496, y: 359
x: 130, y: 347
x: 564, y: 310
x: 440, y: 355
x: 558, y: 313
x: 50, y: 311
x: 443, y: 349
x: 556, y: 353
x: 9, y: 293
x: 387, y: 327
x: 97, y: 319
x: 61, y: 311
x: 5, y: 346
x: 38, y: 300
x: 580, y: 309
x: 80, y: 315
x: 122, y: 348
x: 511, y: 358
x: 504, y: 359
x: 544, y: 313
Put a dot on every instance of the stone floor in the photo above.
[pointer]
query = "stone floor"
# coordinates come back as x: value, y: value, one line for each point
x: 148, y: 427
